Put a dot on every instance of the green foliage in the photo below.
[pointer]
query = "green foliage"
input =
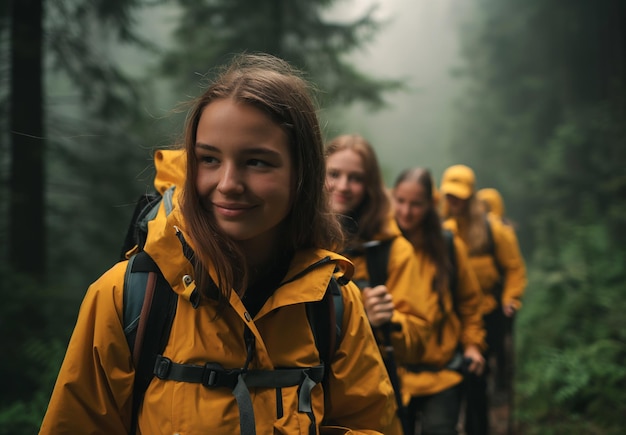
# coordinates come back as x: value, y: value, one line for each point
x: 34, y: 323
x: 573, y: 370
x: 544, y: 121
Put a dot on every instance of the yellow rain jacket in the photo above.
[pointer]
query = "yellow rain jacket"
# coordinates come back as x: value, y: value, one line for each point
x: 414, y: 308
x: 430, y: 376
x: 93, y: 392
x: 494, y: 200
x: 507, y: 255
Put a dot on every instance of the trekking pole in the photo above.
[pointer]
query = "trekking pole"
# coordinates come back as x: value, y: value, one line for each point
x: 392, y: 370
x: 510, y: 366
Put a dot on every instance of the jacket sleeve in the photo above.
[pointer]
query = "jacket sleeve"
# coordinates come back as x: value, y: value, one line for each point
x: 510, y: 259
x: 93, y: 390
x: 415, y: 305
x: 468, y: 299
x: 360, y: 396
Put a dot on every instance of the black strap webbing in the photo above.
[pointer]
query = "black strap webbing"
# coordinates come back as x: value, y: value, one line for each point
x: 377, y: 257
x: 212, y: 375
x: 325, y: 318
x: 498, y: 288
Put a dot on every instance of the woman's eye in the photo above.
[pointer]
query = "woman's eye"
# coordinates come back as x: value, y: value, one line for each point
x: 207, y: 159
x: 332, y: 174
x: 258, y: 163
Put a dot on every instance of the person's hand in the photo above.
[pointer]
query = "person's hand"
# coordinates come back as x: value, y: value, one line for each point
x: 509, y: 309
x: 378, y: 305
x: 477, y: 366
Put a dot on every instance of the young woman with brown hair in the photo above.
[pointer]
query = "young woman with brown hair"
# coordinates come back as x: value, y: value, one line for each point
x: 399, y: 311
x: 434, y: 384
x: 245, y: 248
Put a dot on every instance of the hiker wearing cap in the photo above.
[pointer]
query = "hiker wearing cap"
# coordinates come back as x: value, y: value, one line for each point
x: 433, y: 386
x: 499, y: 267
x: 400, y: 310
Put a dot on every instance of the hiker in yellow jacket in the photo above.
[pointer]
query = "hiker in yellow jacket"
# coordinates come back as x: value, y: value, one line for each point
x: 493, y: 203
x: 385, y: 266
x: 433, y: 386
x: 245, y: 247
x: 499, y: 267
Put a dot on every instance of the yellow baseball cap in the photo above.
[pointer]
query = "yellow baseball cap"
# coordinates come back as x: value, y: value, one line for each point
x: 458, y: 180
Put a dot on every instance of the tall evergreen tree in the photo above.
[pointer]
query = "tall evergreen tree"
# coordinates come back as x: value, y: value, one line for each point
x: 27, y: 245
x: 68, y: 155
x: 212, y: 30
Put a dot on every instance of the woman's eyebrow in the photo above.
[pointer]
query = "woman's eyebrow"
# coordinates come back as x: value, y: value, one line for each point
x: 251, y: 151
x: 206, y: 147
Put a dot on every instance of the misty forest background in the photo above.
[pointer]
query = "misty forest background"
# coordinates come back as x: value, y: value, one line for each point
x: 89, y: 88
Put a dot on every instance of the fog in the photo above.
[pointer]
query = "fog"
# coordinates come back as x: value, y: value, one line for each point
x: 418, y: 43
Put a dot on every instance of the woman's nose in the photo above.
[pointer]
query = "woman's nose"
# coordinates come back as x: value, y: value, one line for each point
x: 342, y: 183
x: 231, y: 180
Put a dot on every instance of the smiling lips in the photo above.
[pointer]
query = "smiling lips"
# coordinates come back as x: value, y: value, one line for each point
x: 232, y: 210
x: 341, y: 198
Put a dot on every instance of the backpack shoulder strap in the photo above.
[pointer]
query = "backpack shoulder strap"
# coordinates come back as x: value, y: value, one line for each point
x: 326, y: 319
x: 491, y: 248
x: 453, y: 273
x: 149, y: 308
x: 377, y: 257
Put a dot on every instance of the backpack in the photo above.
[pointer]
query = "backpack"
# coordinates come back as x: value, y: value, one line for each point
x: 498, y: 287
x: 150, y: 307
x: 377, y: 258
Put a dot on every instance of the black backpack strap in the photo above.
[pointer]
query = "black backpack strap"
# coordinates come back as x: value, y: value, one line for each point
x: 491, y: 250
x: 377, y: 257
x: 326, y: 319
x: 149, y: 305
x: 453, y: 273
x: 212, y: 375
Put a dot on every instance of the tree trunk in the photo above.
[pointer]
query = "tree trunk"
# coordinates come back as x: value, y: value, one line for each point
x: 27, y: 244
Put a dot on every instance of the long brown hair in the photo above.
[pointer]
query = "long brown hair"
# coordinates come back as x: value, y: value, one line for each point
x: 375, y: 208
x: 430, y: 230
x: 278, y: 90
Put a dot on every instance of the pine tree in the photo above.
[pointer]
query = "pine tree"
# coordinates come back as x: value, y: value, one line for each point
x: 210, y: 31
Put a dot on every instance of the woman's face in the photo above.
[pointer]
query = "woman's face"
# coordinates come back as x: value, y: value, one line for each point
x: 345, y: 181
x: 410, y: 205
x: 244, y: 171
x: 456, y: 205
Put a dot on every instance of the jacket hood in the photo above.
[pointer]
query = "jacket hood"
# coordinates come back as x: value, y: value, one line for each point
x: 171, y: 169
x: 169, y: 247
